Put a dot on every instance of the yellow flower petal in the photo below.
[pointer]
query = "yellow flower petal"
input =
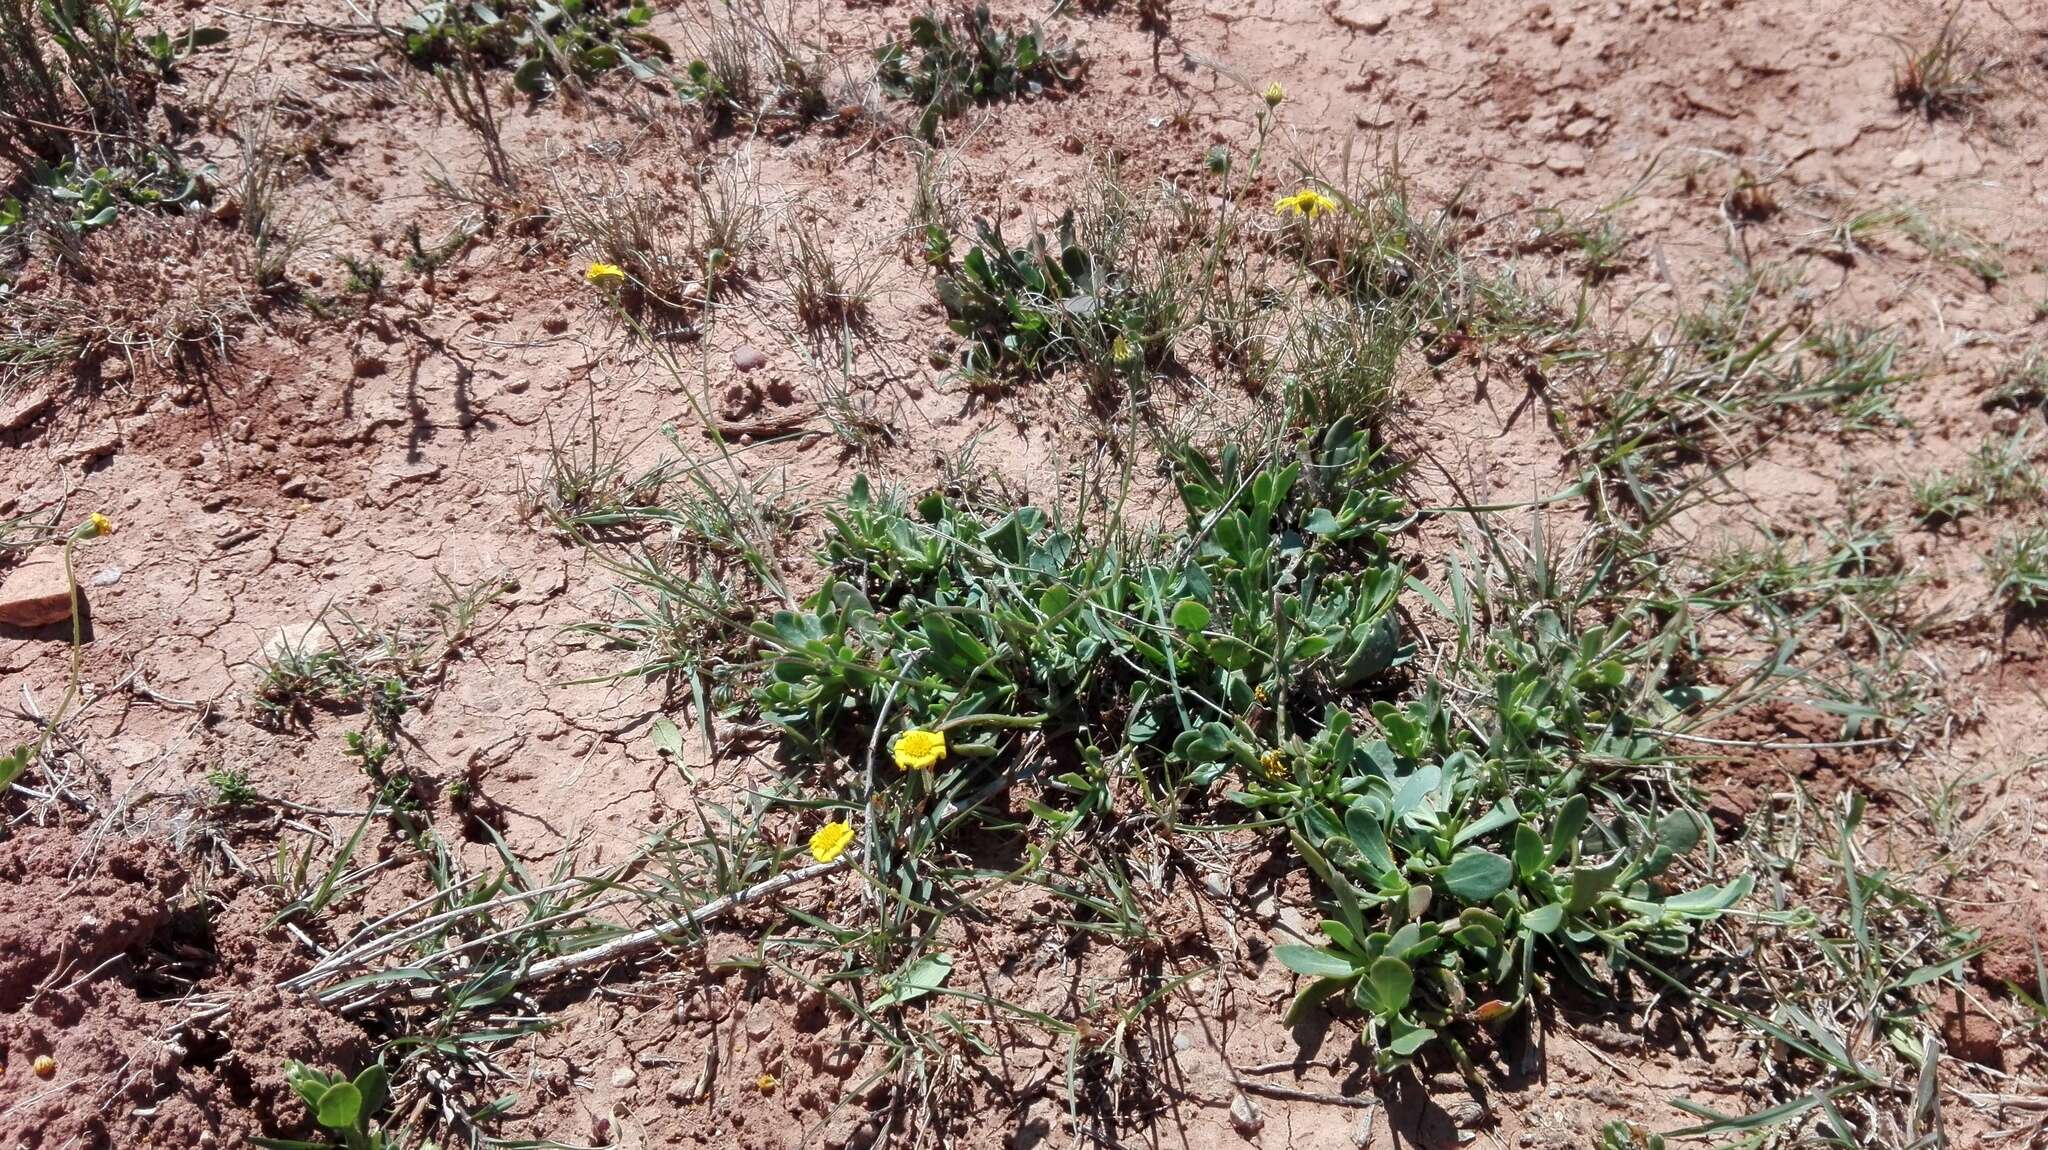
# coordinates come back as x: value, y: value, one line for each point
x: 1306, y: 202
x: 919, y: 750
x: 831, y: 841
x: 1275, y: 94
x: 95, y: 526
x: 604, y: 275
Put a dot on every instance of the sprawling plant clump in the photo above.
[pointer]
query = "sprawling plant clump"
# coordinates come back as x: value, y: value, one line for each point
x: 966, y: 57
x: 1463, y: 837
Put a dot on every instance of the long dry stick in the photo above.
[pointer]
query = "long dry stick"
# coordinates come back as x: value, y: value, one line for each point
x: 624, y: 946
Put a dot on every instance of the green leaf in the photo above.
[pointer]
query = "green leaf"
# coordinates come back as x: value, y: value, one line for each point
x: 1370, y: 838
x: 1589, y: 883
x: 1311, y: 995
x: 1544, y: 919
x: 1190, y: 615
x: 374, y: 1085
x: 1391, y: 984
x: 1314, y: 962
x: 927, y: 975
x: 12, y: 764
x: 665, y: 737
x: 1529, y: 852
x: 1678, y: 832
x: 1501, y: 815
x: 1711, y: 900
x: 340, y: 1106
x: 1477, y: 875
x: 1564, y: 836
x: 1407, y: 1040
x: 532, y: 77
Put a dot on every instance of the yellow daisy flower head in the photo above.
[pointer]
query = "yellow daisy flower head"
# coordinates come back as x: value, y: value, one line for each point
x: 919, y: 750
x: 831, y: 841
x: 95, y: 525
x: 767, y: 1083
x: 1306, y: 202
x: 604, y: 275
x: 1274, y: 766
x: 1275, y: 94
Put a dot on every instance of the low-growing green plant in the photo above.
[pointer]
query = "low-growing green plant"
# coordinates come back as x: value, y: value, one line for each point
x: 2018, y: 565
x: 1467, y: 840
x: 753, y: 67
x: 1466, y: 849
x: 1033, y: 308
x: 346, y: 1106
x: 231, y: 788
x: 167, y: 51
x: 965, y: 57
x: 1014, y: 622
x: 545, y: 42
x: 2000, y: 472
x: 78, y: 77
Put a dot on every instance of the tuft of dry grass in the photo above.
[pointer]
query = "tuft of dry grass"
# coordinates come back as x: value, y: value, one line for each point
x: 1946, y: 76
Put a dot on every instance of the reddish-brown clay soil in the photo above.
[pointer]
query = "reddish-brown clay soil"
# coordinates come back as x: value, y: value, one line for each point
x: 269, y: 465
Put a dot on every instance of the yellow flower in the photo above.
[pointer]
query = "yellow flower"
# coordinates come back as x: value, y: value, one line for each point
x: 917, y: 750
x: 1273, y: 765
x: 95, y: 525
x: 44, y: 1066
x: 604, y: 275
x: 1275, y: 94
x: 767, y: 1083
x: 1306, y: 202
x: 831, y: 841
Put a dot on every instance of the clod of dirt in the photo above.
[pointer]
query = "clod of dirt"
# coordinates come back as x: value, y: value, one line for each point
x: 27, y: 409
x: 1371, y: 19
x: 36, y: 594
x: 98, y: 447
x: 2008, y: 935
x: 1970, y: 1034
x: 747, y: 357
x: 739, y: 401
x: 55, y: 922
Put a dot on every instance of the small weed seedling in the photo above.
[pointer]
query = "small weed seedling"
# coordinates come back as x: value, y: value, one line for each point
x: 347, y: 1107
x: 231, y: 788
x: 2018, y: 566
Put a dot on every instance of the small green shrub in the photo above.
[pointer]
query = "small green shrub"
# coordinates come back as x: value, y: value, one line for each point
x: 964, y: 57
x: 961, y: 617
x: 541, y: 40
x: 79, y: 79
x: 1462, y: 845
x: 1032, y: 308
